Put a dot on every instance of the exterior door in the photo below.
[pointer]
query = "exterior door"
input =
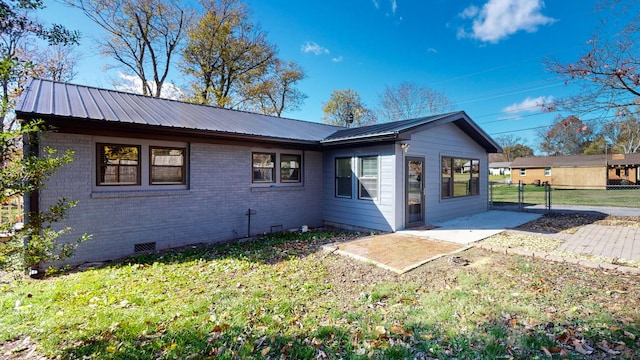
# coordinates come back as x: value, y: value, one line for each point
x: 414, y: 191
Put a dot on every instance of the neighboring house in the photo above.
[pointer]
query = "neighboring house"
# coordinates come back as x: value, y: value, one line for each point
x: 577, y: 171
x: 500, y: 168
x: 152, y: 174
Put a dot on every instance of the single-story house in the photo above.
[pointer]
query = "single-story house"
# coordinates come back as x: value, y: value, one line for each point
x: 577, y: 171
x: 500, y: 168
x: 152, y: 174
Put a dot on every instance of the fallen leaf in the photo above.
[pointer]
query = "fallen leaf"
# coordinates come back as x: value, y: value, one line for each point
x: 630, y: 335
x: 265, y: 351
x: 316, y: 342
x: 581, y: 347
x: 604, y: 346
x: 555, y: 349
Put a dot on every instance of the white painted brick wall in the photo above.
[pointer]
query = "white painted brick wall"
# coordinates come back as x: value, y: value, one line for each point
x: 212, y: 209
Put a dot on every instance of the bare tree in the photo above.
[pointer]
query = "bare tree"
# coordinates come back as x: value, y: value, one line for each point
x: 226, y: 54
x: 409, y: 100
x: 609, y: 70
x: 623, y: 133
x: 345, y: 108
x: 142, y: 35
x: 18, y: 29
x: 57, y: 63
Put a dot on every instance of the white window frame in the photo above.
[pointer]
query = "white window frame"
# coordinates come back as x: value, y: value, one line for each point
x: 364, y: 180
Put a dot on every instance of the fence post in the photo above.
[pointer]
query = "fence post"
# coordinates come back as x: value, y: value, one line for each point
x: 547, y: 197
x: 520, y: 195
x: 490, y: 195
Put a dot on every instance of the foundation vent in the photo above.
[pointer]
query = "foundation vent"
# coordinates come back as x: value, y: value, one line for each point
x: 144, y: 247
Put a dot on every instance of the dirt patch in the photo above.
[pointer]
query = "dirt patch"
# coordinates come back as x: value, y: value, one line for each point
x: 556, y: 222
x: 397, y: 252
x: 23, y: 349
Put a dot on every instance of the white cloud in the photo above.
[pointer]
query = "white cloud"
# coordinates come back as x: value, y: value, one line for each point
x: 432, y: 50
x: 133, y: 84
x: 375, y: 4
x: 337, y: 59
x: 394, y: 6
x: 528, y: 105
x: 500, y: 18
x: 470, y: 12
x: 314, y: 48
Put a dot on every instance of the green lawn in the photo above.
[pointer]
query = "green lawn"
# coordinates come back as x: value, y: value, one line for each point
x: 597, y: 197
x: 281, y: 298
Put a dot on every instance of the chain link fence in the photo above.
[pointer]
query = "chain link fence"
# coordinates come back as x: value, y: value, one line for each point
x: 545, y: 196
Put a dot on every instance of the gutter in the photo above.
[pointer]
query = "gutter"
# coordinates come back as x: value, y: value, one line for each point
x: 362, y: 139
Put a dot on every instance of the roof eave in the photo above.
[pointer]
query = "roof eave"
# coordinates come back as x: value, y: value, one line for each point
x: 361, y: 139
x: 70, y: 124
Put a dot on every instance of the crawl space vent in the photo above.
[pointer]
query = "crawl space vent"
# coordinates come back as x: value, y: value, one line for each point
x: 144, y: 247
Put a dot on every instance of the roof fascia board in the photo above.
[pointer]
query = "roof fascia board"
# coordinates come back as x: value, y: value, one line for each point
x: 362, y: 139
x: 476, y: 133
x: 98, y: 127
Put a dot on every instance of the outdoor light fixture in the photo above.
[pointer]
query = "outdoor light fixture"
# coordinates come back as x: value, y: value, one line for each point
x: 405, y: 147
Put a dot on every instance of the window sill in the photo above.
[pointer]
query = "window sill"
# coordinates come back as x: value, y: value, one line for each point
x: 138, y: 193
x: 277, y: 188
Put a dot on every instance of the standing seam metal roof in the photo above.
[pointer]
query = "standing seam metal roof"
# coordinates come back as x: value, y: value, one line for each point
x: 77, y: 102
x: 44, y: 97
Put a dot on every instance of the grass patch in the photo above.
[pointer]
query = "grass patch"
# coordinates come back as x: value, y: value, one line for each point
x: 280, y: 297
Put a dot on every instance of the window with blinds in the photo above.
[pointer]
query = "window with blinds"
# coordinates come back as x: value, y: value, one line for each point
x: 343, y: 174
x: 167, y: 166
x: 368, y: 178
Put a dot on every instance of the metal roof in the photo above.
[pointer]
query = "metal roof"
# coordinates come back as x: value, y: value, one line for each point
x: 75, y: 104
x: 50, y: 98
x: 398, y: 129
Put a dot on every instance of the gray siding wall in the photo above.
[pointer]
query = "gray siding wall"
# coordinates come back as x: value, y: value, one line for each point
x: 448, y: 140
x: 212, y: 209
x: 377, y: 214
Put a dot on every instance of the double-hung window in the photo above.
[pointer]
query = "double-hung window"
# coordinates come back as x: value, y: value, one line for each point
x: 290, y: 168
x: 118, y: 164
x: 143, y: 165
x: 343, y: 177
x: 263, y: 167
x: 368, y: 178
x: 272, y: 168
x: 167, y: 166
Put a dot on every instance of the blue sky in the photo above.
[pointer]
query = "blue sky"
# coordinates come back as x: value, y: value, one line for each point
x: 485, y: 55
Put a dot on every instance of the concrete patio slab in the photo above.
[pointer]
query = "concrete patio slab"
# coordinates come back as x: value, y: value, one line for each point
x: 469, y: 229
x: 405, y: 250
